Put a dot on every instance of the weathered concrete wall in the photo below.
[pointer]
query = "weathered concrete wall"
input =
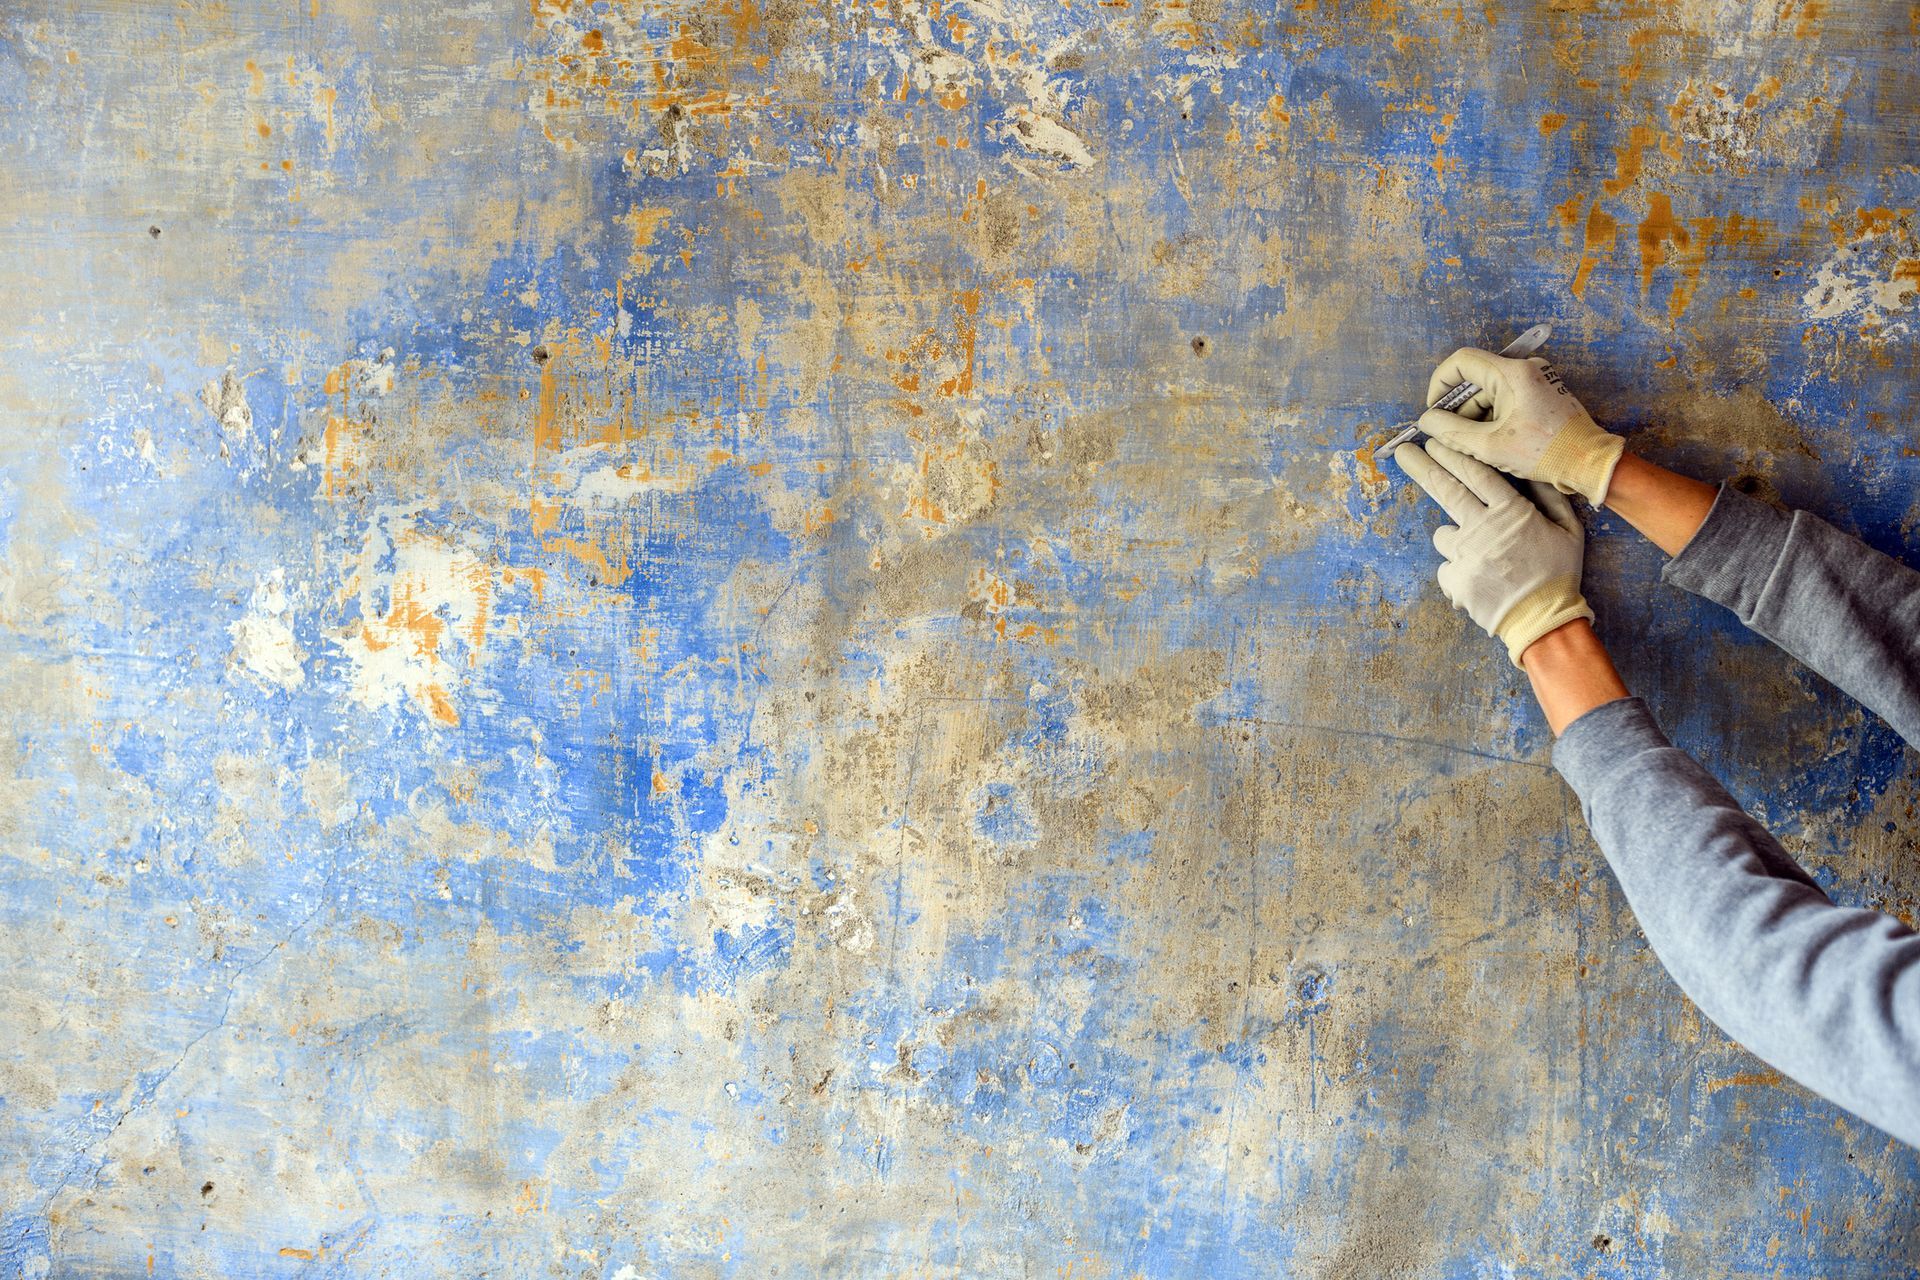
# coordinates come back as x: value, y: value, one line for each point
x: 704, y: 640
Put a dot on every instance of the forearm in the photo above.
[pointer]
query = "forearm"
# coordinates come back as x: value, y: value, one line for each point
x: 1665, y: 506
x: 1571, y: 674
x: 1827, y: 994
x: 1849, y: 612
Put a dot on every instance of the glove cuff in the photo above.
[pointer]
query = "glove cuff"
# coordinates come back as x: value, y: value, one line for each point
x: 1581, y: 458
x: 1548, y: 606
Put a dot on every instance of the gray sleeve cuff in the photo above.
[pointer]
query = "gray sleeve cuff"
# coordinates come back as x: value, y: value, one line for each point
x: 1605, y: 740
x: 1732, y: 556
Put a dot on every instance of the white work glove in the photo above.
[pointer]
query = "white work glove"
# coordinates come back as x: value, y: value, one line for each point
x: 1523, y: 421
x: 1513, y: 563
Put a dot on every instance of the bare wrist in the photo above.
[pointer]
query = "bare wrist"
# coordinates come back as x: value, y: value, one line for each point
x: 1561, y: 645
x: 1667, y: 507
x: 1571, y: 673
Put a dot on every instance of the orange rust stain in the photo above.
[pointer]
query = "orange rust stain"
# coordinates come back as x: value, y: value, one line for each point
x: 1659, y: 231
x: 608, y: 573
x: 259, y: 77
x: 646, y: 221
x: 305, y: 1255
x: 1744, y: 1079
x: 685, y: 47
x: 594, y: 42
x: 1636, y: 67
x: 1551, y: 123
x: 744, y: 17
x: 1370, y: 471
x: 1866, y: 222
x: 1277, y: 109
x: 1439, y: 137
x: 423, y: 624
x: 1664, y: 238
x: 536, y: 578
x: 343, y: 454
x: 482, y: 582
x: 546, y: 429
x: 1599, y: 241
x: 440, y: 707
x: 1765, y: 91
x: 969, y: 303
x: 1628, y: 157
x: 1809, y: 25
x: 1567, y: 212
x: 264, y: 128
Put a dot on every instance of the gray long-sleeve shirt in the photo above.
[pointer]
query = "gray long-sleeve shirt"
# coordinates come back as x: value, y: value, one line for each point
x: 1829, y: 995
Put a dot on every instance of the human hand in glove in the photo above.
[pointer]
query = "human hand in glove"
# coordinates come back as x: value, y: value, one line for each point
x: 1523, y: 421
x: 1512, y: 559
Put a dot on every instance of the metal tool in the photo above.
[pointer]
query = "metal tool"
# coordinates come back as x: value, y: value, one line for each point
x: 1524, y: 345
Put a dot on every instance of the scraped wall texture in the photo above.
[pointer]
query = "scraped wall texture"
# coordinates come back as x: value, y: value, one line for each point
x: 744, y: 639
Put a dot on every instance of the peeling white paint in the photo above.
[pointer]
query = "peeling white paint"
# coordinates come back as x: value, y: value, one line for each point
x: 1047, y: 137
x: 422, y: 598
x: 226, y: 398
x: 263, y: 643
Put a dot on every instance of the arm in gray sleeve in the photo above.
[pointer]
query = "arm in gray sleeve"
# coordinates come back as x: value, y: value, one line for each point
x: 1847, y: 611
x: 1828, y: 995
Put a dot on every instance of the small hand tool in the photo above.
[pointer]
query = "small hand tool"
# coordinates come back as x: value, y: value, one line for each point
x: 1524, y: 345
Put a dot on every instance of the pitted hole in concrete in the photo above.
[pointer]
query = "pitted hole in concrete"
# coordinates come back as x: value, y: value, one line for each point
x: 1314, y: 987
x: 206, y: 1189
x: 1199, y: 345
x: 1603, y: 1243
x: 155, y: 233
x: 540, y: 354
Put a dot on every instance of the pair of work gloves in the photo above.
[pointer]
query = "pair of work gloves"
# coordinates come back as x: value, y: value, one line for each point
x: 1513, y: 555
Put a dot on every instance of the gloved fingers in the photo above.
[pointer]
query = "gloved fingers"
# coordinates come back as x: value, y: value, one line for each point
x: 1446, y: 540
x: 1487, y: 484
x: 1440, y: 484
x: 1443, y: 424
x: 1469, y: 364
x: 1554, y: 505
x: 1451, y: 584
